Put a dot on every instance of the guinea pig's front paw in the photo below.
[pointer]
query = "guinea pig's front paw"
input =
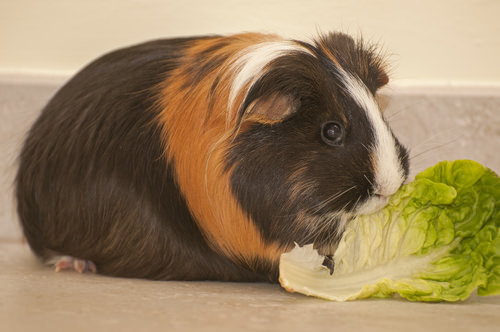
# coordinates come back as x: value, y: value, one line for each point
x: 76, y: 264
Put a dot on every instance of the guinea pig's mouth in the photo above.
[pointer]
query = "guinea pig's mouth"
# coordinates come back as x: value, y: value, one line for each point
x: 372, y: 204
x: 327, y: 240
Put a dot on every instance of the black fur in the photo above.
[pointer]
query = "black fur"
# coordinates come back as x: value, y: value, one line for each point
x: 204, y: 63
x: 93, y: 182
x: 355, y: 56
x: 266, y: 156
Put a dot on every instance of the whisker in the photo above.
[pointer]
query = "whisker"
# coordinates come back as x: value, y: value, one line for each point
x: 447, y: 136
x: 326, y: 223
x: 413, y: 157
x: 316, y: 208
x: 366, y: 148
x: 367, y: 179
x: 321, y: 205
x: 356, y: 204
x: 395, y: 114
x: 391, y: 113
x: 319, y: 226
x: 338, y: 231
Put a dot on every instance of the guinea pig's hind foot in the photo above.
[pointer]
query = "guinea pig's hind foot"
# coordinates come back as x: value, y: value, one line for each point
x: 72, y: 263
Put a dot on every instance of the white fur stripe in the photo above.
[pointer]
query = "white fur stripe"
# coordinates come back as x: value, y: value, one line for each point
x: 250, y: 63
x: 389, y: 173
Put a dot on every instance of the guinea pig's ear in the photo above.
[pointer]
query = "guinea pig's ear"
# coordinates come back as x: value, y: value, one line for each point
x: 382, y: 78
x: 271, y: 109
x: 374, y: 73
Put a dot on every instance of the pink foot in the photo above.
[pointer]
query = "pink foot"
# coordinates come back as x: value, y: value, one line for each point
x: 71, y: 263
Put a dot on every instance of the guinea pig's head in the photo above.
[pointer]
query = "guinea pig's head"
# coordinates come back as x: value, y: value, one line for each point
x: 313, y: 148
x: 275, y: 142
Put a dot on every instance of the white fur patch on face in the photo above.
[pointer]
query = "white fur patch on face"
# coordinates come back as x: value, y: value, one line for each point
x: 389, y: 171
x: 250, y: 64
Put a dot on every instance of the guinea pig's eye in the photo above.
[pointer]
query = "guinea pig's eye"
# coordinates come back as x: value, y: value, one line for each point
x: 332, y: 133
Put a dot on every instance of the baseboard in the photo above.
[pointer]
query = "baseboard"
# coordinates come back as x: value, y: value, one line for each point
x: 396, y: 87
x: 43, y: 78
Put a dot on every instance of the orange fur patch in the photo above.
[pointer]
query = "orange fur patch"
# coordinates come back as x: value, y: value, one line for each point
x: 198, y: 129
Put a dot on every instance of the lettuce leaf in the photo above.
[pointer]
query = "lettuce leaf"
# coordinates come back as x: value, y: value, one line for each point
x: 438, y: 239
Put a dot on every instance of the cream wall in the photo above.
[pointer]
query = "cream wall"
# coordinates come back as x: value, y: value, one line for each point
x: 429, y: 41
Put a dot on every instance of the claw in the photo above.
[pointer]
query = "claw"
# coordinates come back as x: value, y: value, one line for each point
x: 71, y: 263
x: 329, y: 263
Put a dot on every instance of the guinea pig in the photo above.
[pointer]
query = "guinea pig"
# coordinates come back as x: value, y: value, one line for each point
x: 207, y: 158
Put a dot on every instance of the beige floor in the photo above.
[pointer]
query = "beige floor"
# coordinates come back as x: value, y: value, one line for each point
x: 435, y: 126
x: 34, y: 298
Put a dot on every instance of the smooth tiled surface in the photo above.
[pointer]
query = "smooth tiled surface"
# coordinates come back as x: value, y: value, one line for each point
x: 34, y: 298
